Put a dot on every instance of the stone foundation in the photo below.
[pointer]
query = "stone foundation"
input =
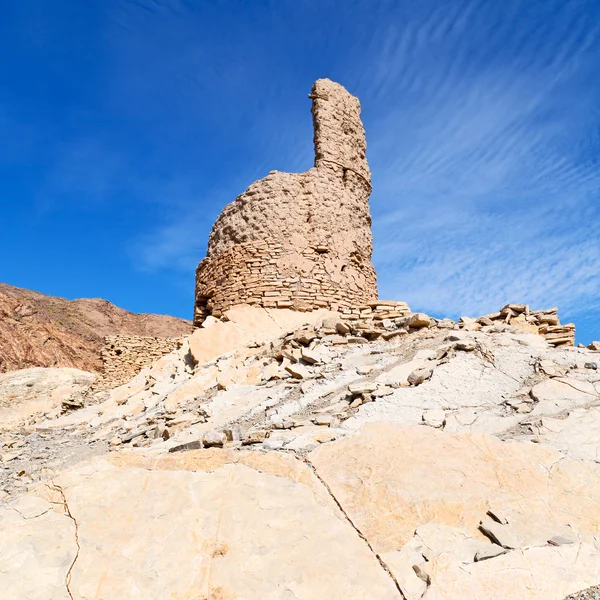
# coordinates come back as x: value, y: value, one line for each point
x: 267, y: 275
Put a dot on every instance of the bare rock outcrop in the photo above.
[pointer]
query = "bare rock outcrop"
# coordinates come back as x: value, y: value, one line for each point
x: 300, y: 241
x: 286, y: 454
x: 37, y: 330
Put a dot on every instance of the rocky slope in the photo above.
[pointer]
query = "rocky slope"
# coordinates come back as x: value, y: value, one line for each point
x: 37, y: 330
x: 281, y: 455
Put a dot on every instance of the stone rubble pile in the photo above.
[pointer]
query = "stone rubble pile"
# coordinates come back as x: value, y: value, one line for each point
x: 543, y: 322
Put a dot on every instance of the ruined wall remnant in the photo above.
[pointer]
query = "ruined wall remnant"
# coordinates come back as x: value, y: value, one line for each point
x: 302, y: 240
x: 124, y: 356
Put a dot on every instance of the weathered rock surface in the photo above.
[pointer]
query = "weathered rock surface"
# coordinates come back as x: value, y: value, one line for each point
x: 391, y: 479
x: 247, y: 325
x: 38, y: 390
x: 545, y: 572
x: 296, y: 460
x: 227, y: 528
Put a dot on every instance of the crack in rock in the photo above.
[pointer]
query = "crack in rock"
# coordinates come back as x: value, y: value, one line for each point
x: 59, y: 489
x: 358, y: 531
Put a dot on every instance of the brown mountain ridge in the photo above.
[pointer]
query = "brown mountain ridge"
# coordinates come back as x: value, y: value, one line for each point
x: 37, y: 330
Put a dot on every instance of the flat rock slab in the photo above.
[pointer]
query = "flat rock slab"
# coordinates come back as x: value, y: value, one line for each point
x: 391, y: 479
x: 577, y: 435
x: 245, y: 325
x: 29, y: 391
x: 205, y: 525
x: 532, y: 574
x: 556, y: 395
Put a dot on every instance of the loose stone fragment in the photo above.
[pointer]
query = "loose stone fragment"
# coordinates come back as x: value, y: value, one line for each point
x: 500, y: 534
x: 419, y: 320
x: 489, y: 551
x: 418, y: 376
x: 560, y: 540
x: 213, y: 439
x: 465, y: 345
x: 233, y: 434
x: 254, y: 437
x: 298, y: 371
x: 311, y: 356
x: 434, y: 418
x: 365, y: 387
x: 195, y: 445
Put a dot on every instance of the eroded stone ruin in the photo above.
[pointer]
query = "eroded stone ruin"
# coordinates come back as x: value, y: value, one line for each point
x: 300, y: 241
x: 401, y: 456
x: 123, y: 356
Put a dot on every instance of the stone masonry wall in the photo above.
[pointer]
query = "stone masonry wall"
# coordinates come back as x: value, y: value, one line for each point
x: 124, y: 356
x: 304, y: 240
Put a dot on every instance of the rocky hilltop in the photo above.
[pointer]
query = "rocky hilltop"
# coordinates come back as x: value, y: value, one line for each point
x: 37, y: 330
x: 313, y: 442
x: 280, y: 454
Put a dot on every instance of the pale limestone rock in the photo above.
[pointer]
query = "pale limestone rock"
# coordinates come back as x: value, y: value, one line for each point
x: 425, y: 354
x: 503, y: 535
x: 419, y: 320
x: 472, y: 394
x: 489, y: 551
x: 401, y: 564
x: 577, y: 435
x: 419, y: 376
x: 552, y: 369
x: 36, y: 550
x: 439, y: 539
x: 274, y: 371
x: 315, y: 355
x: 298, y: 371
x: 254, y: 437
x: 256, y: 527
x: 551, y: 573
x: 247, y: 324
x: 365, y: 387
x: 430, y: 541
x: 29, y: 391
x: 400, y: 373
x: 197, y: 385
x: 434, y: 418
x: 392, y: 479
x: 521, y: 324
x: 555, y: 395
x: 213, y: 438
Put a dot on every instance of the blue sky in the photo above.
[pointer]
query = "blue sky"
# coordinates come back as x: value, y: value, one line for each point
x: 126, y: 126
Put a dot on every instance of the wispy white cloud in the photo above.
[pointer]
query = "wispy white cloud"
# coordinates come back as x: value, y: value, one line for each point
x: 486, y: 186
x: 483, y: 128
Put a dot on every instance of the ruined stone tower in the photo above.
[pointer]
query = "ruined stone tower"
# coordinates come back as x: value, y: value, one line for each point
x: 302, y: 240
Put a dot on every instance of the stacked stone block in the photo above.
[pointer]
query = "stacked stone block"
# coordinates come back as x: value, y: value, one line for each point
x: 544, y: 322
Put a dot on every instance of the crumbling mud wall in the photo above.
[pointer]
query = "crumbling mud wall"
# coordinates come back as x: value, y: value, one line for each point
x: 300, y: 241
